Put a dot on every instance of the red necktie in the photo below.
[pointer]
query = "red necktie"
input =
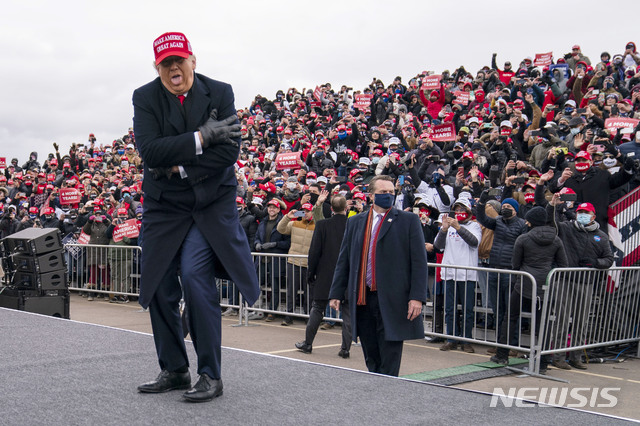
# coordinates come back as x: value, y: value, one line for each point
x: 181, y: 99
x: 372, y: 243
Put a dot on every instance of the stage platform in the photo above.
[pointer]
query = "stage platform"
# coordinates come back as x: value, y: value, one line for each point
x: 55, y: 371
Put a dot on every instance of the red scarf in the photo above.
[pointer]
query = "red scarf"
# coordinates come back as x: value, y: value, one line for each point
x: 362, y: 275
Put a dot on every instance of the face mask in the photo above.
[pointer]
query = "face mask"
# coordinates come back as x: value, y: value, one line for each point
x: 375, y: 160
x: 609, y: 162
x: 120, y: 151
x: 313, y: 198
x: 608, y: 85
x: 279, y: 184
x: 467, y: 163
x: 343, y: 193
x: 583, y: 218
x: 342, y: 135
x: 529, y: 197
x: 311, y: 181
x: 457, y: 154
x: 563, y: 127
x: 32, y: 216
x: 291, y: 186
x: 319, y: 154
x: 582, y: 167
x: 358, y: 180
x: 461, y: 217
x: 506, y: 213
x: 575, y: 130
x: 384, y: 201
x: 239, y: 208
x: 568, y: 111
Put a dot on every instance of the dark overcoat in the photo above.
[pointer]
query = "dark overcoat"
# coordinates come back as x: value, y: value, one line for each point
x: 323, y: 254
x: 206, y: 197
x: 401, y: 271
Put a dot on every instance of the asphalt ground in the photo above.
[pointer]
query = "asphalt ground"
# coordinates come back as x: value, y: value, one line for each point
x: 420, y: 359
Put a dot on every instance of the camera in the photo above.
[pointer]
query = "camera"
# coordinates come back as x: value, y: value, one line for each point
x: 514, y: 158
x: 340, y: 179
x: 519, y: 180
x: 435, y: 158
x: 494, y: 192
x: 568, y: 197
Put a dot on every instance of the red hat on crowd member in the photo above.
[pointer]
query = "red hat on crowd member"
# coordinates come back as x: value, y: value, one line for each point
x: 3, y: 178
x: 53, y: 162
x: 288, y: 132
x: 353, y: 172
x: 125, y: 189
x: 561, y: 61
x: 395, y: 155
x: 468, y: 154
x: 583, y: 154
x: 307, y: 206
x: 49, y: 186
x: 268, y: 187
x: 588, y: 207
x: 342, y: 128
x: 567, y: 190
x: 360, y: 195
x: 434, y: 93
x: 279, y: 129
x: 312, y: 175
x: 239, y: 200
x: 377, y: 152
x: 33, y: 210
x: 48, y: 210
x: 275, y: 202
x: 51, y: 177
x: 171, y: 44
x: 123, y: 212
x: 534, y: 172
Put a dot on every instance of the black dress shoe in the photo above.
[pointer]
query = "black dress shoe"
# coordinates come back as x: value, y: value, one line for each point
x: 167, y: 381
x: 205, y: 390
x: 343, y: 354
x: 304, y: 347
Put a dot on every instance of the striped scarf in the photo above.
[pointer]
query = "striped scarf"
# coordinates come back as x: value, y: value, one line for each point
x: 362, y: 274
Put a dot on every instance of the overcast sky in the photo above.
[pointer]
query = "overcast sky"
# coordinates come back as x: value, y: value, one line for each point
x: 70, y: 67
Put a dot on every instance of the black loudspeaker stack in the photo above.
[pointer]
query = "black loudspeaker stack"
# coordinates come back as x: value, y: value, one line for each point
x: 36, y: 273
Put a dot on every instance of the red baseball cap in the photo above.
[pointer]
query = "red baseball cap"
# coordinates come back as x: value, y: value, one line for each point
x: 586, y: 207
x: 583, y: 154
x: 274, y: 202
x: 307, y: 206
x: 360, y: 195
x: 122, y: 211
x: 312, y: 174
x: 239, y: 200
x: 468, y: 154
x: 171, y: 44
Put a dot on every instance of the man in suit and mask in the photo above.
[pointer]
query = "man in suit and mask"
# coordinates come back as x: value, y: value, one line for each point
x: 382, y: 266
x: 187, y: 132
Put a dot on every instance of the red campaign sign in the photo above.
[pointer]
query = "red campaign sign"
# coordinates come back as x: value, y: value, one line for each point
x: 69, y: 196
x: 3, y: 162
x: 83, y: 238
x: 363, y: 101
x: 315, y: 104
x: 462, y: 98
x: 317, y: 92
x: 444, y: 132
x: 615, y: 123
x: 542, y: 59
x: 431, y: 82
x: 288, y: 160
x: 129, y: 228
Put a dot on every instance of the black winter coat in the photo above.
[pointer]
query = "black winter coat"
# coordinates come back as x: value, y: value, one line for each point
x: 323, y: 254
x: 584, y: 246
x: 538, y: 252
x: 505, y: 234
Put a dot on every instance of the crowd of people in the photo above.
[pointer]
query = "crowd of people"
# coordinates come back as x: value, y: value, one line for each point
x: 522, y: 134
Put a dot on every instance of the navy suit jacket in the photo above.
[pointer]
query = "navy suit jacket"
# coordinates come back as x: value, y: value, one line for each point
x: 206, y: 197
x: 401, y: 271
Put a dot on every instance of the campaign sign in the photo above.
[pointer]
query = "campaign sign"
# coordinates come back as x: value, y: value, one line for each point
x: 431, y: 82
x: 128, y: 229
x: 363, y: 101
x: 288, y: 160
x: 564, y: 68
x: 317, y: 93
x: 543, y: 59
x: 615, y: 123
x: 462, y: 98
x: 83, y: 238
x: 3, y: 162
x: 444, y: 132
x: 69, y: 196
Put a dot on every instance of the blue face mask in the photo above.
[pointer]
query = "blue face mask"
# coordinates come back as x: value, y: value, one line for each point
x: 575, y: 130
x: 342, y: 135
x: 568, y: 110
x: 319, y: 154
x: 583, y: 218
x: 279, y: 184
x: 120, y: 151
x: 384, y: 201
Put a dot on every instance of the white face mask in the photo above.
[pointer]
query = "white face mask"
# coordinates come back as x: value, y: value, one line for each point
x: 311, y: 181
x: 609, y: 162
x: 291, y: 186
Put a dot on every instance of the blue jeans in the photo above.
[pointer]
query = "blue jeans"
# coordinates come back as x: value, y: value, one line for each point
x: 462, y: 292
x: 500, y: 286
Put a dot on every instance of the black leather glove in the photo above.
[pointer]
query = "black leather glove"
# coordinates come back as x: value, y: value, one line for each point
x: 218, y: 132
x: 484, y: 197
x: 160, y: 172
x: 611, y: 149
x: 628, y: 163
x: 269, y: 245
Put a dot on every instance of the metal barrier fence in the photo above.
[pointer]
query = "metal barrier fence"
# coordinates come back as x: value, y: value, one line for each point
x: 588, y: 308
x: 485, y: 306
x: 107, y: 270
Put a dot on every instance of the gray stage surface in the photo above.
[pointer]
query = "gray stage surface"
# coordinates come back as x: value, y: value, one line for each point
x: 60, y: 372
